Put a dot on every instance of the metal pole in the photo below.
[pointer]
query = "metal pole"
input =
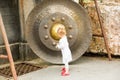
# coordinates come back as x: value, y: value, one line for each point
x: 103, y: 32
x: 8, y: 48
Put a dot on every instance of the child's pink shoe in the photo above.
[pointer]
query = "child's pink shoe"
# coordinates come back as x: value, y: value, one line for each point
x: 65, y: 74
x: 63, y: 69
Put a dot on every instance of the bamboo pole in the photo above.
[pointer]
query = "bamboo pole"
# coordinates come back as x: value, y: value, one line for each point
x: 4, y: 35
x: 3, y: 56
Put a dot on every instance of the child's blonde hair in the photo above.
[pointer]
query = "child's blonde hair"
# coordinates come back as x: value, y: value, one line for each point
x: 61, y: 31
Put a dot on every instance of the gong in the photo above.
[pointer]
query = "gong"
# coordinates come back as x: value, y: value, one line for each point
x: 45, y: 19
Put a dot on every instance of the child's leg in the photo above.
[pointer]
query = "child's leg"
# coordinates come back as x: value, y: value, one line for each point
x: 67, y: 67
x: 65, y: 72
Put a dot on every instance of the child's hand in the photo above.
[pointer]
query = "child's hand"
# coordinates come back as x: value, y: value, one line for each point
x: 56, y: 46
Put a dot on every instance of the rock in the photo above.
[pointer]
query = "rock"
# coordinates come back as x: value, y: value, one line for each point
x: 110, y: 14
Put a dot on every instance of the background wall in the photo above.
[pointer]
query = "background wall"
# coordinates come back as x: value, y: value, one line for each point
x: 110, y: 13
x: 10, y: 15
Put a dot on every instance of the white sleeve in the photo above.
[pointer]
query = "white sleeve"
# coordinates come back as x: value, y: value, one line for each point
x: 58, y: 46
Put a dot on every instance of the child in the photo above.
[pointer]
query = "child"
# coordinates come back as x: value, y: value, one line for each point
x: 63, y: 45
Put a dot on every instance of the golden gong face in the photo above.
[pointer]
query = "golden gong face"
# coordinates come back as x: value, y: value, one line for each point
x: 54, y: 30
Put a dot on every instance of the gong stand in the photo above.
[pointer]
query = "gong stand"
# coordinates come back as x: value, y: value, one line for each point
x: 103, y: 31
x: 7, y: 46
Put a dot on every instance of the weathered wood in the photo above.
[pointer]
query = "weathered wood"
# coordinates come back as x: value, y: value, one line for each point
x: 3, y: 56
x: 11, y: 20
x: 4, y: 35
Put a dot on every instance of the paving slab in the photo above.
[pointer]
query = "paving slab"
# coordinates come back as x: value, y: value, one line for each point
x: 83, y: 69
x: 86, y: 68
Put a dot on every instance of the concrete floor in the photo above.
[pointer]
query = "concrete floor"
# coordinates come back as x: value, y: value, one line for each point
x: 86, y: 68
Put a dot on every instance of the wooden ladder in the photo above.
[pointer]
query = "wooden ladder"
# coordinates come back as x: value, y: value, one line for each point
x: 7, y: 46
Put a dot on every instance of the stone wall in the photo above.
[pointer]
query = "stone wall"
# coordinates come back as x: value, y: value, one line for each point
x: 10, y: 16
x: 110, y: 14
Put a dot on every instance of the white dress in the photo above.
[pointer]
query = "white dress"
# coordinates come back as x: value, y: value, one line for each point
x: 64, y: 46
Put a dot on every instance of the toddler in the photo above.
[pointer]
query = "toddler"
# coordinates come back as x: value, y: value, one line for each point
x: 63, y: 45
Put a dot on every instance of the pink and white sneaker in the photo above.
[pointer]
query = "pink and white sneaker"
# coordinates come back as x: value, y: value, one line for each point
x: 63, y: 69
x: 65, y: 74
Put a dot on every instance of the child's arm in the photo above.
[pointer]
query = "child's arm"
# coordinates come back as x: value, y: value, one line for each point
x: 62, y: 44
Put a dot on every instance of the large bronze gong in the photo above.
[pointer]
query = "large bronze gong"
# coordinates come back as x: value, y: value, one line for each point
x: 45, y: 19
